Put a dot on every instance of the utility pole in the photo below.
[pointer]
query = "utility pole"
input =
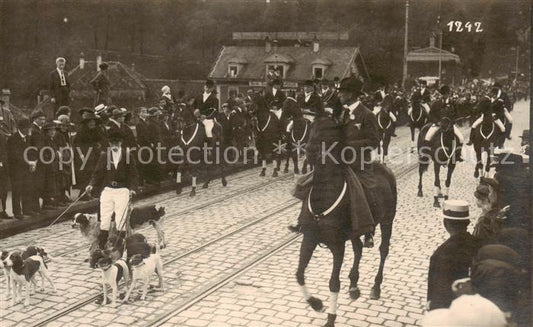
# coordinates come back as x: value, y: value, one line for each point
x: 404, y: 77
x: 440, y: 44
x: 516, y: 64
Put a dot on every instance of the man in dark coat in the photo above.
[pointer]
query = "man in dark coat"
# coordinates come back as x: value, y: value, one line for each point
x: 116, y: 123
x: 101, y: 85
x: 115, y: 177
x: 275, y: 95
x: 143, y: 141
x: 59, y: 85
x: 330, y: 98
x: 63, y: 140
x: 37, y: 140
x: 207, y: 102
x: 50, y: 168
x: 361, y: 134
x: 154, y: 132
x: 310, y: 102
x: 19, y: 170
x: 452, y: 259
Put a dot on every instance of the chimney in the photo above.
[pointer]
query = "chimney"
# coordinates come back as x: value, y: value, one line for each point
x: 432, y: 41
x: 268, y: 45
x: 275, y: 46
x: 98, y: 62
x: 316, y: 45
x: 82, y: 60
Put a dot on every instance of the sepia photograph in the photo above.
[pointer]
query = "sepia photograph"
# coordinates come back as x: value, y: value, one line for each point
x: 265, y: 163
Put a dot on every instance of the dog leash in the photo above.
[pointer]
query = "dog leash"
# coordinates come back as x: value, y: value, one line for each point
x: 67, y: 209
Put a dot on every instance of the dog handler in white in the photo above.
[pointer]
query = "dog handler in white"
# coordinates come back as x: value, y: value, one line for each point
x: 116, y: 176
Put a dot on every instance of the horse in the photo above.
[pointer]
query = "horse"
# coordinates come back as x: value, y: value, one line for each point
x: 297, y: 138
x: 442, y: 150
x: 485, y: 138
x: 329, y: 221
x: 268, y: 130
x: 417, y: 119
x: 386, y: 129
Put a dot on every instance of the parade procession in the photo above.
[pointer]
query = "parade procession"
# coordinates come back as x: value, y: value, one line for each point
x: 265, y: 163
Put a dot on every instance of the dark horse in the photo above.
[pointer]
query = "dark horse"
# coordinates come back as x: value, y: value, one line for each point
x: 442, y: 150
x: 298, y: 137
x: 191, y: 140
x: 330, y: 223
x: 485, y: 138
x: 417, y: 118
x: 268, y: 131
x: 386, y: 129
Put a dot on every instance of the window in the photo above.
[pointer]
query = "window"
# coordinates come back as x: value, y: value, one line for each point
x: 233, y: 70
x: 232, y: 91
x: 318, y: 72
x: 275, y: 71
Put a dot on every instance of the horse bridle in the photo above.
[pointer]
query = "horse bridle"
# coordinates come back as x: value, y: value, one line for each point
x: 303, y: 135
x: 266, y: 125
x: 379, y: 121
x: 319, y: 216
x: 419, y: 115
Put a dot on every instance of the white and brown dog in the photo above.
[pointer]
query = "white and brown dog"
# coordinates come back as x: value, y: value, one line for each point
x: 7, y: 271
x: 23, y: 272
x: 143, y: 267
x: 112, y: 273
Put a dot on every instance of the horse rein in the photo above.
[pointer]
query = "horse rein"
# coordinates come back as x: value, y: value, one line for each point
x: 419, y: 115
x: 454, y: 146
x: 331, y: 208
x: 303, y: 135
x: 192, y: 137
x: 379, y: 121
x: 266, y: 125
x: 483, y: 135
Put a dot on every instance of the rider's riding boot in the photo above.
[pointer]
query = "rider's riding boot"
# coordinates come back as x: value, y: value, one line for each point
x: 369, y: 240
x: 102, y: 239
x: 471, y: 139
x: 375, y: 208
x: 508, y: 131
x: 393, y: 130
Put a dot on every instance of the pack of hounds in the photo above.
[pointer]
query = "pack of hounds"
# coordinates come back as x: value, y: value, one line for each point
x: 142, y: 259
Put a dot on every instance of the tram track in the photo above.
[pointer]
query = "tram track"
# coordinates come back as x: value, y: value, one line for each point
x: 227, y: 278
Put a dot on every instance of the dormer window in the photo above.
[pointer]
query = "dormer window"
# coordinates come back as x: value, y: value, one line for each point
x: 276, y: 71
x: 233, y: 70
x: 319, y: 67
x: 318, y: 72
x: 235, y: 67
x: 277, y: 64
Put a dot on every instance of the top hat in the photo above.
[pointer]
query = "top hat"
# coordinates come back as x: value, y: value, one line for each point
x: 117, y: 113
x: 209, y: 83
x: 276, y: 82
x: 309, y: 83
x: 90, y: 116
x: 115, y: 135
x: 351, y: 84
x: 37, y: 114
x: 444, y: 90
x: 50, y: 125
x: 455, y: 210
x: 103, y: 66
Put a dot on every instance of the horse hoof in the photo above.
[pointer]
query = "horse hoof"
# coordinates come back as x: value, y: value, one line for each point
x: 355, y: 293
x: 436, y: 203
x: 315, y: 303
x: 296, y: 171
x: 286, y: 170
x: 476, y: 174
x: 304, y: 171
x: 331, y: 320
x: 178, y: 190
x: 262, y: 174
x: 206, y: 185
x: 446, y: 197
x: 375, y: 293
x: 275, y: 173
x: 224, y: 182
x: 193, y: 193
x: 420, y: 194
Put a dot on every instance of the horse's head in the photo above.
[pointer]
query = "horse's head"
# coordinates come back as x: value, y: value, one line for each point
x: 325, y: 135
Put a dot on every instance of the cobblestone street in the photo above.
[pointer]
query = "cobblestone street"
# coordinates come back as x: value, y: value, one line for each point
x: 231, y: 260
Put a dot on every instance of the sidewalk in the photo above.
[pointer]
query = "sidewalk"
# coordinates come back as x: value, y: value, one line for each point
x: 9, y: 227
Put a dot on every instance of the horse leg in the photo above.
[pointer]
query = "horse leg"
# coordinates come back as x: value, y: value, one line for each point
x: 422, y: 167
x: 334, y: 282
x: 307, y: 248
x: 276, y: 162
x: 263, y: 168
x: 294, y: 157
x: 489, y: 161
x: 304, y: 166
x: 178, y: 182
x: 386, y: 143
x: 386, y: 232
x: 412, y: 138
x: 479, y: 161
x: 437, y: 193
x: 451, y: 168
x: 357, y: 247
x: 288, y: 158
x: 193, y: 185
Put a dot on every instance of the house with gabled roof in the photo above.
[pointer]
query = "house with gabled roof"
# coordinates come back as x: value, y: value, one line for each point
x: 244, y: 66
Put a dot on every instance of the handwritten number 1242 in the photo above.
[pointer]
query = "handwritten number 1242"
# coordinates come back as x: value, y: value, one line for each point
x: 458, y: 26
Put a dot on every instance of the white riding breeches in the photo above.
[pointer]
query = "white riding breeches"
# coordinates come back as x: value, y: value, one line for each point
x: 114, y: 200
x: 434, y: 129
x: 498, y: 123
x: 209, y: 123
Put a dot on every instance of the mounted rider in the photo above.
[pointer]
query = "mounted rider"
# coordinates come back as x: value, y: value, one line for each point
x: 207, y: 104
x: 385, y: 102
x: 310, y: 102
x: 444, y: 104
x: 361, y: 133
x: 498, y: 109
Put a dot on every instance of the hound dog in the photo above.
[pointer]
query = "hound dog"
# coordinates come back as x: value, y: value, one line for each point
x: 7, y: 271
x: 89, y: 227
x: 23, y: 271
x: 143, y: 264
x: 112, y: 273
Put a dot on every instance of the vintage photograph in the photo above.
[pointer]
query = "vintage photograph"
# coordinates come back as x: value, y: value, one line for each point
x: 265, y: 163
